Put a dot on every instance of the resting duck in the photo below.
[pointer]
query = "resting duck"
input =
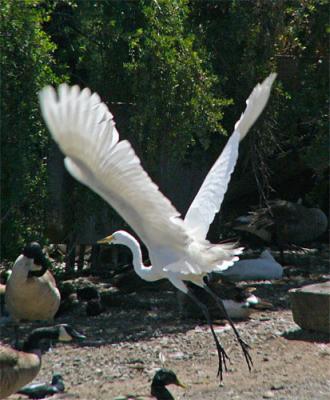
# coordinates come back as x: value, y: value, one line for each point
x: 18, y: 368
x: 238, y: 301
x: 162, y: 378
x: 263, y: 268
x: 283, y: 222
x: 41, y: 390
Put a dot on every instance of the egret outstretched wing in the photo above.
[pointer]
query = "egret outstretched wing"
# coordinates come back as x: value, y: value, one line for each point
x: 209, y: 197
x: 85, y: 131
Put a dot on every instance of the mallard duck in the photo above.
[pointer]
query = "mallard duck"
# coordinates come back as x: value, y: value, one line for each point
x: 161, y: 379
x: 41, y: 390
x: 239, y: 302
x: 31, y: 291
x: 18, y: 368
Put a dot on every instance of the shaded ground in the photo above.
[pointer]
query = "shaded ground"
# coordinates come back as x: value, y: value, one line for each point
x: 125, y: 346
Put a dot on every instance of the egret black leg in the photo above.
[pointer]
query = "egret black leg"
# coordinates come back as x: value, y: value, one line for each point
x: 245, y: 347
x: 222, y: 355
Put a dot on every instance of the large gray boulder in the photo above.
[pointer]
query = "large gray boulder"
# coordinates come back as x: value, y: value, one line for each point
x: 311, y: 307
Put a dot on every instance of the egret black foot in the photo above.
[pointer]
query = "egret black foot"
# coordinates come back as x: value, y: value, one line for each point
x: 245, y: 347
x: 223, y: 357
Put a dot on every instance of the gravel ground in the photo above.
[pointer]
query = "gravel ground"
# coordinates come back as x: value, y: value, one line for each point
x: 124, y: 348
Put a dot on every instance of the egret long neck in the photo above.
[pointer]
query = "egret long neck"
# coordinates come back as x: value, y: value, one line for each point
x: 144, y: 272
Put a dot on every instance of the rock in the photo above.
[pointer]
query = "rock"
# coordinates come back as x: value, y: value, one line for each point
x: 68, y: 303
x: 277, y: 386
x: 94, y: 307
x: 88, y: 293
x: 268, y: 395
x: 311, y: 307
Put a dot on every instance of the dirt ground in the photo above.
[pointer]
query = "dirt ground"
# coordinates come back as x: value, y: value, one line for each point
x: 126, y: 345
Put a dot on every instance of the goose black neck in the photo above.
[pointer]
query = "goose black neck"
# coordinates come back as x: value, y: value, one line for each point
x: 33, y: 340
x: 159, y: 391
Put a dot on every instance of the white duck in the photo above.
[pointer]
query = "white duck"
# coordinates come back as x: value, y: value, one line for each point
x: 265, y: 267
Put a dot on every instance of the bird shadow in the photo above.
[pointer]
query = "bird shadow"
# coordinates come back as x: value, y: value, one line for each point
x: 135, y: 320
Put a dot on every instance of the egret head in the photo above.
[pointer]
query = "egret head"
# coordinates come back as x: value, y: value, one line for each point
x: 118, y: 237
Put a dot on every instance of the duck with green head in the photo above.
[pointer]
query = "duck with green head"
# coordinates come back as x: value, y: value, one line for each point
x: 161, y: 379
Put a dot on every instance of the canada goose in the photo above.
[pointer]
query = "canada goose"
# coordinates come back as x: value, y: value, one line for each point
x: 284, y: 222
x: 18, y: 368
x: 161, y: 379
x: 263, y: 268
x: 41, y: 390
x: 31, y: 291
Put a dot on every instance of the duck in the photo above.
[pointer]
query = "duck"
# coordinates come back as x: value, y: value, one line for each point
x: 284, y: 223
x: 31, y: 291
x: 265, y: 267
x: 238, y: 301
x: 41, y: 390
x: 162, y: 378
x: 19, y: 367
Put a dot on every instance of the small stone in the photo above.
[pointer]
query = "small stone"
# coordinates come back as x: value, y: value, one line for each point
x: 264, y: 319
x: 268, y: 395
x: 178, y: 355
x: 277, y: 386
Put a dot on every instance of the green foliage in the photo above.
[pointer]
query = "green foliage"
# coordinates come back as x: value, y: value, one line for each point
x: 25, y: 68
x: 168, y: 69
x: 174, y: 92
x: 250, y: 39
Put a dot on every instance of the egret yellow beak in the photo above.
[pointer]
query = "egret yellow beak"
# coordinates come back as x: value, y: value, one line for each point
x: 106, y: 240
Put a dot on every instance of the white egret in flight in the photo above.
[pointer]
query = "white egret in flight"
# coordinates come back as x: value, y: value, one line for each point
x: 178, y: 250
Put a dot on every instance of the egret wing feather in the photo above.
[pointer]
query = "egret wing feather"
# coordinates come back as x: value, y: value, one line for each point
x: 85, y: 131
x: 210, y: 196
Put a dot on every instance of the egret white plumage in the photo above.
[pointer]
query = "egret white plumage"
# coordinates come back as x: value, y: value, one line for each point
x: 178, y: 250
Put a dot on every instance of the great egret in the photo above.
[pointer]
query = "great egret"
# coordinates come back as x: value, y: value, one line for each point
x: 85, y: 131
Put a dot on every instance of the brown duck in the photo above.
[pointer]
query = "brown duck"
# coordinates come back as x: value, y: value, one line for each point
x: 17, y: 368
